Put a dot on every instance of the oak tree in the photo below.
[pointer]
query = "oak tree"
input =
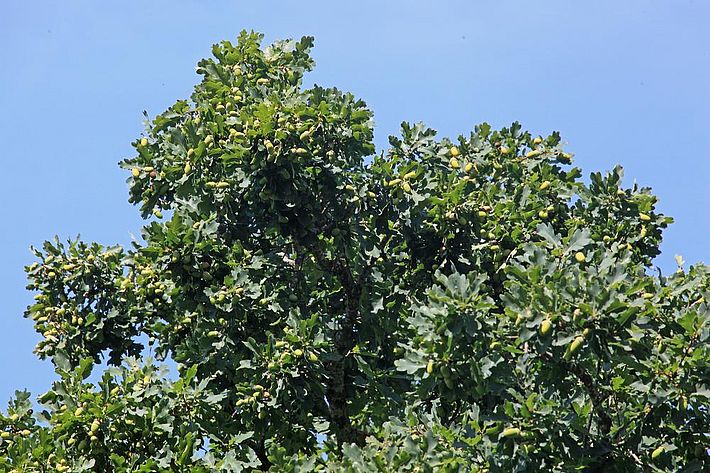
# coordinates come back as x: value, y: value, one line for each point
x: 444, y: 305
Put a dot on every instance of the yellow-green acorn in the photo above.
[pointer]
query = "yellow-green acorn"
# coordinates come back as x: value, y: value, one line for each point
x: 312, y: 357
x: 410, y: 175
x: 406, y: 187
x: 213, y: 333
x: 658, y: 452
x: 644, y: 217
x: 510, y: 432
x: 544, y: 185
x: 394, y: 182
x: 136, y: 172
x: 537, y: 140
x: 144, y: 141
x: 298, y: 352
x: 545, y: 327
x: 533, y: 153
x: 430, y: 366
x: 454, y: 163
x: 468, y: 167
x: 574, y: 346
x: 579, y: 256
x: 188, y: 168
x: 454, y: 151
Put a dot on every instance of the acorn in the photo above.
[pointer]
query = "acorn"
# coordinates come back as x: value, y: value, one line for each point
x: 573, y: 347
x: 657, y: 452
x: 510, y: 432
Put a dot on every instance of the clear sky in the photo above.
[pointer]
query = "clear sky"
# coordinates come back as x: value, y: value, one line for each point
x: 623, y: 81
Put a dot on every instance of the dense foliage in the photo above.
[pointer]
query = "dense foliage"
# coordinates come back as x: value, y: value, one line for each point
x: 465, y: 305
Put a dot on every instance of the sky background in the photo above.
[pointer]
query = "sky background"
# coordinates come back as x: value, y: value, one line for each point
x: 623, y: 81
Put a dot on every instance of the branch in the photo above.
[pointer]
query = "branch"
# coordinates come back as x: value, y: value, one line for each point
x: 344, y: 340
x: 597, y: 396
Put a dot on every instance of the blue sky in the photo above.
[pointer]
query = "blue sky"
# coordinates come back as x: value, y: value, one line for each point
x: 623, y: 81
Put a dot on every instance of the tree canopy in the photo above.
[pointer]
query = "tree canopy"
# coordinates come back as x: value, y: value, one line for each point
x: 444, y: 305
